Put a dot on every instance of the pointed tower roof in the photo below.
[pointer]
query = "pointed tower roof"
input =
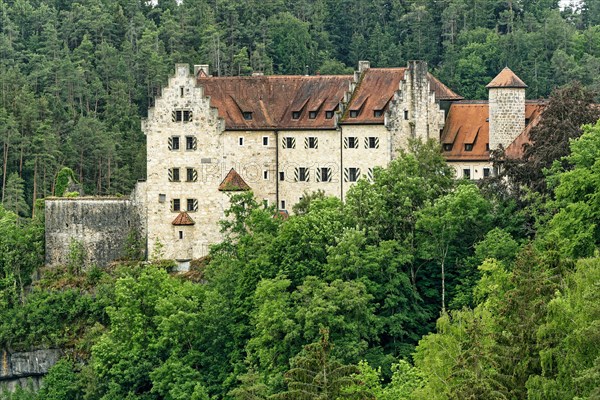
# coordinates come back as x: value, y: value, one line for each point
x: 183, y: 219
x: 233, y: 182
x: 506, y: 79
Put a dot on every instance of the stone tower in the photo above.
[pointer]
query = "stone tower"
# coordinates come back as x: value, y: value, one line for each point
x: 506, y: 108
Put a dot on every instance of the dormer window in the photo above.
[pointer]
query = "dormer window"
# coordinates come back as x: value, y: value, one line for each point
x: 247, y: 115
x: 447, y: 146
x: 312, y: 115
x: 295, y: 114
x: 378, y: 113
x: 328, y: 114
x: 468, y: 146
x: 354, y: 113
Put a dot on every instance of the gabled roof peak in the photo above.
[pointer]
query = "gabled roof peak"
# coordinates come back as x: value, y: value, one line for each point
x: 233, y: 182
x: 506, y: 79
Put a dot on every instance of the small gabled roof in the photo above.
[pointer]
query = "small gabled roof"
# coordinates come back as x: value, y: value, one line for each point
x: 233, y: 182
x: 506, y: 79
x: 183, y: 219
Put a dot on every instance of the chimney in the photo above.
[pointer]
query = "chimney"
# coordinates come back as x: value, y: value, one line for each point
x: 363, y: 66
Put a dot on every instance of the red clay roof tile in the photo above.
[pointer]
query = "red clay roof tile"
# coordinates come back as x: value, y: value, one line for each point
x: 183, y: 219
x: 233, y: 182
x: 506, y: 79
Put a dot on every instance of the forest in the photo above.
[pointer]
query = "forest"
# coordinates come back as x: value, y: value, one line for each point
x: 417, y: 286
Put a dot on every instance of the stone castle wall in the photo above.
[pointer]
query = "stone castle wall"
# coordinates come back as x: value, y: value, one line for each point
x: 507, y: 115
x: 101, y: 225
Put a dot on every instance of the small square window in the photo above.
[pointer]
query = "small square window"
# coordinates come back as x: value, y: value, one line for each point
x: 328, y: 114
x: 486, y: 172
x: 467, y: 173
x: 447, y: 146
x: 187, y: 116
x: 295, y: 114
x: 241, y: 141
x: 281, y: 176
x: 283, y: 204
x: 354, y: 113
x: 351, y: 142
x: 312, y: 115
x: 265, y: 140
x: 174, y: 175
x: 302, y: 174
x: 325, y: 174
x: 289, y: 143
x: 312, y: 142
x: 378, y: 113
x: 162, y: 198
x: 177, y: 116
x: 468, y: 146
x: 265, y: 175
x: 372, y: 142
x: 247, y: 115
x: 352, y: 174
x: 176, y: 205
x: 174, y: 143
x: 190, y: 143
x: 190, y: 174
x: 192, y: 205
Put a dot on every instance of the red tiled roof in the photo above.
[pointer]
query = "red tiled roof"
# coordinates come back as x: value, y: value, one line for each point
x: 233, y: 182
x: 516, y: 149
x: 506, y: 79
x: 467, y: 123
x: 183, y: 219
x: 270, y: 100
x: 377, y: 88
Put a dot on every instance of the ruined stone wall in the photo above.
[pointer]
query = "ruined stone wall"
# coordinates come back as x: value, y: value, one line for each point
x: 101, y: 225
x: 26, y: 368
x: 507, y: 115
x: 414, y: 111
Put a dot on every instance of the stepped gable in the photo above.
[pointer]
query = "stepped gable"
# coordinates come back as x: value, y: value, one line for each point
x: 183, y: 219
x: 506, y: 79
x: 377, y: 88
x: 468, y: 123
x: 233, y: 182
x: 270, y: 102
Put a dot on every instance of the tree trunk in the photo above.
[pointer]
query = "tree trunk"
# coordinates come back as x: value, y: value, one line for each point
x: 34, y: 188
x: 4, y: 168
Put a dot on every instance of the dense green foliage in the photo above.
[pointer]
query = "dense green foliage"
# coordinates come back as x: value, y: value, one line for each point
x: 76, y: 76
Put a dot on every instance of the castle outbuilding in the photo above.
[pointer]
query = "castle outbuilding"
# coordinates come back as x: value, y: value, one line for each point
x: 284, y: 136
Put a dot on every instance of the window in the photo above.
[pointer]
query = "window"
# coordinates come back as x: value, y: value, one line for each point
x: 289, y: 143
x: 467, y: 173
x: 190, y: 143
x: 302, y: 174
x: 180, y: 234
x: 247, y: 115
x: 486, y: 172
x: 352, y: 174
x: 372, y: 142
x: 324, y: 174
x: 311, y: 142
x: 174, y: 143
x: 176, y: 205
x: 265, y: 203
x: 354, y: 113
x: 265, y: 140
x: 328, y: 114
x: 281, y: 176
x: 283, y: 204
x: 181, y: 91
x: 192, y: 205
x: 187, y: 116
x: 351, y: 143
x: 241, y: 141
x: 378, y: 113
x: 312, y: 114
x: 162, y: 198
x: 447, y: 146
x: 468, y: 146
x: 487, y: 147
x: 181, y: 116
x: 191, y: 175
x: 174, y: 175
x: 296, y: 115
x: 265, y: 175
x: 406, y: 114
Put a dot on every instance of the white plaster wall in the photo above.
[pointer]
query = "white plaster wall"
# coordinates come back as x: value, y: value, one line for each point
x: 476, y: 168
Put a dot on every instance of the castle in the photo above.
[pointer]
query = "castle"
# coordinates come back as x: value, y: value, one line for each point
x: 281, y: 137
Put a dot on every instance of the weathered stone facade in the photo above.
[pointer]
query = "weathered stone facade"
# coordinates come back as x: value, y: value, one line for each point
x: 507, y: 115
x: 26, y: 369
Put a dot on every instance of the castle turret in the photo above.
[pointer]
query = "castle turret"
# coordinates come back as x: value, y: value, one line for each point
x: 506, y: 108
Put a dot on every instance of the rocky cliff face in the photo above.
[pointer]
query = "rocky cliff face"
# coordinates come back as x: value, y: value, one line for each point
x: 26, y: 368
